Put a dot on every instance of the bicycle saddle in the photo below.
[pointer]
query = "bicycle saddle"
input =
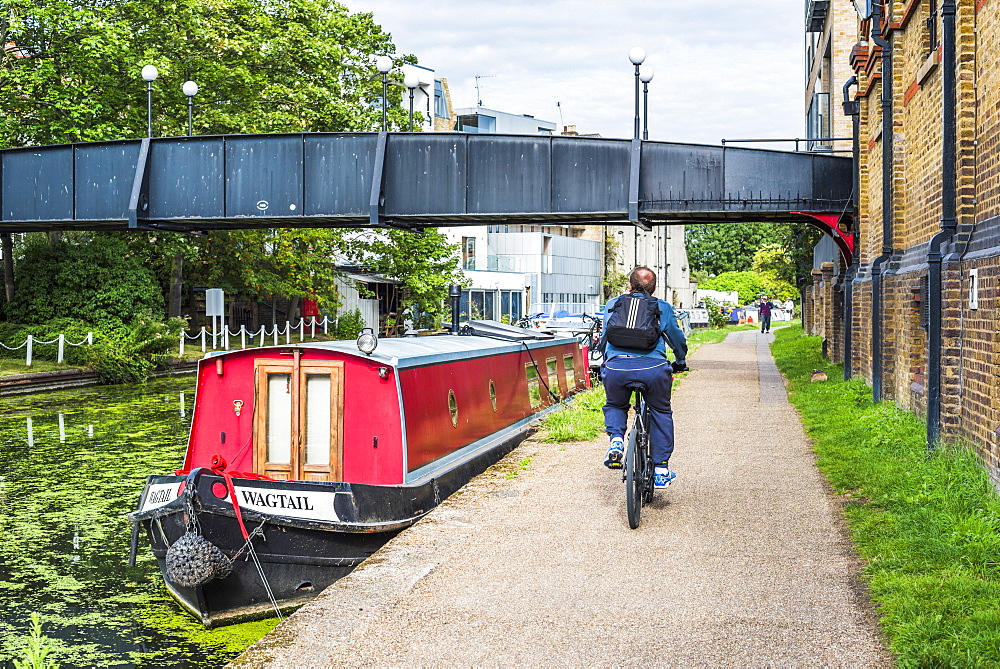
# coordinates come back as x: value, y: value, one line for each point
x: 636, y: 385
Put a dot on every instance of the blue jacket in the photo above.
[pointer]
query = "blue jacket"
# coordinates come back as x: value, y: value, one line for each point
x: 668, y: 325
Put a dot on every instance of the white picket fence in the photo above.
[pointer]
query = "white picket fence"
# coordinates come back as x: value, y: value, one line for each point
x: 211, y: 340
x: 29, y: 344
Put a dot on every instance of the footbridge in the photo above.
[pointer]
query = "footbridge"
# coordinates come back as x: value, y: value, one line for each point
x: 414, y: 180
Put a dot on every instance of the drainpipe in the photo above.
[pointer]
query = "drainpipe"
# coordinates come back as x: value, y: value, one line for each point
x: 852, y: 108
x: 887, y: 250
x: 949, y: 222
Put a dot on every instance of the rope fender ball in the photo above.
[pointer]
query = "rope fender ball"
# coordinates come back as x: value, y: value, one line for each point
x: 193, y: 561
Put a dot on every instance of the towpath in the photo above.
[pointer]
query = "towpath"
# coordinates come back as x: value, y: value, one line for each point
x: 742, y: 562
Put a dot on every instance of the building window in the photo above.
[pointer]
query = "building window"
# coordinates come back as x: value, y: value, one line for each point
x: 510, y: 305
x: 478, y: 305
x: 440, y: 103
x: 468, y: 253
x: 819, y: 121
x: 476, y: 123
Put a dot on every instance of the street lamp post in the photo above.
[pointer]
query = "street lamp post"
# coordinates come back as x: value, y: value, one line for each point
x: 190, y: 89
x: 646, y: 76
x: 411, y: 81
x: 149, y: 75
x: 636, y: 55
x: 384, y: 64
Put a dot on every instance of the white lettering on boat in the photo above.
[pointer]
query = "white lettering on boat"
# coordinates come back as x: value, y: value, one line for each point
x: 307, y: 504
x: 160, y: 494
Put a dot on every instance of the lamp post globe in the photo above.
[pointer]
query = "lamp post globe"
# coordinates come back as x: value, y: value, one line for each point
x: 190, y: 89
x: 149, y: 75
x: 645, y: 76
x: 636, y: 55
x: 383, y: 64
x: 411, y: 81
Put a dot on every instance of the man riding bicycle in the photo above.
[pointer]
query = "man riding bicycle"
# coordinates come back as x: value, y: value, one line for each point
x: 649, y: 367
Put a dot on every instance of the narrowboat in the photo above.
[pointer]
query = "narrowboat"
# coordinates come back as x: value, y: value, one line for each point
x: 305, y: 459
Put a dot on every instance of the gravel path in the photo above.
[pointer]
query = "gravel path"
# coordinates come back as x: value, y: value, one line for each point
x: 741, y: 562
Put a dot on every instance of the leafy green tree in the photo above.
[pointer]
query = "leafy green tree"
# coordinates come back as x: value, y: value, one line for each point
x: 748, y: 284
x: 99, y: 283
x: 265, y: 262
x: 70, y: 70
x: 773, y: 264
x: 725, y: 247
x: 425, y: 263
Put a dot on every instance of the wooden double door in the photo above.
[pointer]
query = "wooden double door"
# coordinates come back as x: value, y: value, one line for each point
x: 299, y: 419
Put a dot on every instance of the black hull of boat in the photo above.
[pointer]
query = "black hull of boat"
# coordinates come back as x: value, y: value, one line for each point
x: 297, y: 562
x: 298, y: 557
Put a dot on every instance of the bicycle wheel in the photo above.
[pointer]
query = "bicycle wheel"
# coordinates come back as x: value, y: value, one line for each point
x: 635, y: 475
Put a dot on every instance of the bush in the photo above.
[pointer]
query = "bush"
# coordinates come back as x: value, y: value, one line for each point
x: 717, y: 318
x: 130, y: 356
x: 348, y: 325
x: 96, y: 281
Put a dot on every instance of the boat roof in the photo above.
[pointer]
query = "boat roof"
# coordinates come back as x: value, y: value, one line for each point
x: 403, y: 352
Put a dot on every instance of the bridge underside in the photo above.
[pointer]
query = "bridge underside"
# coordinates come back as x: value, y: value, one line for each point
x: 411, y: 180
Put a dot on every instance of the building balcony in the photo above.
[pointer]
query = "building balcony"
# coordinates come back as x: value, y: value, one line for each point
x: 816, y: 11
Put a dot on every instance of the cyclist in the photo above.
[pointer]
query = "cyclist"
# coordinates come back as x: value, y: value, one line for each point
x: 651, y: 368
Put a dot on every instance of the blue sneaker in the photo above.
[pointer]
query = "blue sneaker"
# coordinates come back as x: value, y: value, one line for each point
x: 662, y: 477
x: 616, y: 454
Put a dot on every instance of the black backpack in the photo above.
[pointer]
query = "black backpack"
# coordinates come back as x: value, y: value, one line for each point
x: 634, y: 323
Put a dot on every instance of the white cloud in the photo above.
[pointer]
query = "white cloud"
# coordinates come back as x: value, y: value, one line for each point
x: 723, y: 69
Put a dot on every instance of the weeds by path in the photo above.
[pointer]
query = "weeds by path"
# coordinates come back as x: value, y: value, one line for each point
x: 927, y: 525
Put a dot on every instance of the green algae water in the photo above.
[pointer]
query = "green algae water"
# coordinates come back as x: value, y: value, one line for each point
x: 72, y: 465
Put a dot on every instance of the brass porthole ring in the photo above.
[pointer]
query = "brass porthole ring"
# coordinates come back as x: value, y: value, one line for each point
x: 453, y: 408
x: 493, y: 396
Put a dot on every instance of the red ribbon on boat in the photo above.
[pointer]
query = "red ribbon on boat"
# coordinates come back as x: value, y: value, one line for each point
x: 219, y: 469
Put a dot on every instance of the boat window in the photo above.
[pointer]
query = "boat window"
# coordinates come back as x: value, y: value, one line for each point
x: 279, y: 416
x: 493, y: 396
x: 569, y: 370
x: 534, y: 393
x: 453, y: 408
x: 552, y: 366
x: 317, y: 420
x: 298, y: 419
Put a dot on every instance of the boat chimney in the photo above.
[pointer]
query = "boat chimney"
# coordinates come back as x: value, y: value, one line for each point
x: 455, y: 295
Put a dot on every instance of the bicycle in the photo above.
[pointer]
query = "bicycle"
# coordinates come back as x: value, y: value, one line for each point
x: 638, y: 468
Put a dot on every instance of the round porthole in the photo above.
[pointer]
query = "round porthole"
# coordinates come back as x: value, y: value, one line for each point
x: 453, y: 408
x: 493, y: 396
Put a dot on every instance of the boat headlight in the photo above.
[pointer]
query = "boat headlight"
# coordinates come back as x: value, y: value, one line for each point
x: 367, y: 341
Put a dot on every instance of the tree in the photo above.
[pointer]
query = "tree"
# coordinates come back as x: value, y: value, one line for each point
x: 70, y: 70
x: 773, y: 264
x: 99, y: 283
x: 725, y: 247
x: 748, y: 284
x: 425, y: 263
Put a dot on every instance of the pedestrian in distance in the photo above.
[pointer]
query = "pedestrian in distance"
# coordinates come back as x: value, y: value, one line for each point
x: 765, y: 313
x: 637, y: 330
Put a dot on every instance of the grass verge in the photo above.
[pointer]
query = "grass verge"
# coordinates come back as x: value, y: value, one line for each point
x: 927, y: 525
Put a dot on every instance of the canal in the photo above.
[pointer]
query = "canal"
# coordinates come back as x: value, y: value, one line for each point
x: 72, y: 465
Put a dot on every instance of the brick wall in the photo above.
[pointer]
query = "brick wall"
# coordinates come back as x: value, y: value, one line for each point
x: 970, y: 396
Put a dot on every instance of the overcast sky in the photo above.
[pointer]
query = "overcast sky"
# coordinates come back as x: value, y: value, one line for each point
x: 722, y: 69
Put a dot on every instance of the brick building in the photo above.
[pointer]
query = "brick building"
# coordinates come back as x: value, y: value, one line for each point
x: 921, y: 295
